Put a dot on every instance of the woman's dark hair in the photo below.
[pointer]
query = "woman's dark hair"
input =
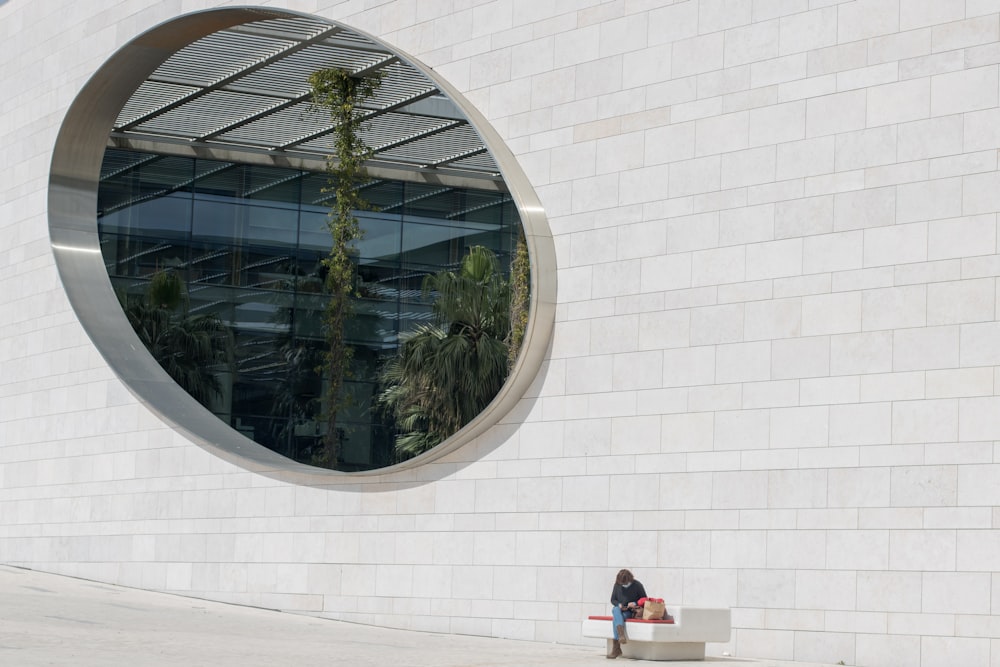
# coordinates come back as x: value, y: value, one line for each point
x: 624, y: 577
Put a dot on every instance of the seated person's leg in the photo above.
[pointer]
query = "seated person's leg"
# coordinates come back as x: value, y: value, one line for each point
x: 618, y: 620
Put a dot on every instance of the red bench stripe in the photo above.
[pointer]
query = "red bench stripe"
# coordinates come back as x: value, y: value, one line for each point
x: 631, y: 620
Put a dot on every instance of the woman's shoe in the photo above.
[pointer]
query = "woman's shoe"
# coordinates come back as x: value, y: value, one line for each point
x: 616, y: 650
x: 622, y: 637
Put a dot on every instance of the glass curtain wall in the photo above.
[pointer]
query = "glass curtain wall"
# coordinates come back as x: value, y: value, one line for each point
x: 248, y: 242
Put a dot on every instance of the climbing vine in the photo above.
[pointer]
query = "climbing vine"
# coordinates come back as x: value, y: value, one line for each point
x: 340, y: 93
x: 520, y: 295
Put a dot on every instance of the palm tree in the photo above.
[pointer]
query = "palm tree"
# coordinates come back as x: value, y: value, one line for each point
x: 446, y: 373
x: 191, y: 348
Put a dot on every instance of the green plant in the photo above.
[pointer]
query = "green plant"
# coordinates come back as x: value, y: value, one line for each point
x: 340, y: 93
x: 446, y: 373
x: 192, y: 349
x: 520, y: 295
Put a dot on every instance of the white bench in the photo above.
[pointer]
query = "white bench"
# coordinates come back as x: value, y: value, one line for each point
x: 684, y: 639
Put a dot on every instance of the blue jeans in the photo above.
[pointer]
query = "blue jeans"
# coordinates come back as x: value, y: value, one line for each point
x: 619, y: 617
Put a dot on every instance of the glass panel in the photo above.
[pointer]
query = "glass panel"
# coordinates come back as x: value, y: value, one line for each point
x: 382, y: 237
x: 272, y: 226
x: 141, y: 256
x: 164, y: 217
x: 433, y: 243
x: 249, y: 243
x: 224, y: 221
x: 275, y: 186
x: 314, y: 232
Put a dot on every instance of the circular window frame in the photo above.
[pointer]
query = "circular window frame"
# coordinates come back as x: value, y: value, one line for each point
x: 73, y: 184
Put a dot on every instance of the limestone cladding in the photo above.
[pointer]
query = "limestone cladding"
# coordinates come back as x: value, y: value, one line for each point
x: 773, y: 380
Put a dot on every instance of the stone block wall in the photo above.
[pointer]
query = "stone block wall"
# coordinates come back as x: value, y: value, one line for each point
x: 772, y: 383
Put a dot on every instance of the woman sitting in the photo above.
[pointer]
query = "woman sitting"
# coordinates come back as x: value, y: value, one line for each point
x: 626, y: 593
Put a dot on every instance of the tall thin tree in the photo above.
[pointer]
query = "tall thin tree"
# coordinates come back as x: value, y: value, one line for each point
x: 340, y: 93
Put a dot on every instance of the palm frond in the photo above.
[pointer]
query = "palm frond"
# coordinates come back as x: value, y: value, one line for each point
x: 192, y: 349
x: 446, y: 373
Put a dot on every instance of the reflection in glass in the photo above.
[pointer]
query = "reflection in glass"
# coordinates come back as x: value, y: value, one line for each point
x: 248, y: 241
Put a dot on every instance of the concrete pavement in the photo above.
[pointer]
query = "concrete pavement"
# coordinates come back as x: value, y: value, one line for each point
x: 49, y: 620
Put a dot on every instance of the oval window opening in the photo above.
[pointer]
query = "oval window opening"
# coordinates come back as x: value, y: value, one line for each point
x: 225, y: 236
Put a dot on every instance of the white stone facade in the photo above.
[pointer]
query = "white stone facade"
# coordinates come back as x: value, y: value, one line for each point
x: 773, y: 382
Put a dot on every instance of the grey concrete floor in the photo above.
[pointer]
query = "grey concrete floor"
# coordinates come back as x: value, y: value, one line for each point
x: 47, y: 619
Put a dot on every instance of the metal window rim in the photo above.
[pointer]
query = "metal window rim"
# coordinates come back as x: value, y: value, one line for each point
x: 72, y: 203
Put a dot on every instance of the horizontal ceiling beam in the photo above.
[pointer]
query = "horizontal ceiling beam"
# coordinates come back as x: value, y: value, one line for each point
x: 300, y: 160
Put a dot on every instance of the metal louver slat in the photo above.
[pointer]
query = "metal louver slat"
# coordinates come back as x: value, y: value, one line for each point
x: 399, y: 82
x: 150, y: 94
x: 456, y: 141
x: 290, y: 76
x: 206, y: 112
x: 246, y: 88
x: 298, y: 28
x: 480, y: 162
x: 279, y: 128
x: 199, y: 64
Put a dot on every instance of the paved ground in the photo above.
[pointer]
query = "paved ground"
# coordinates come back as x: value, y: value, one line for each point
x: 47, y: 619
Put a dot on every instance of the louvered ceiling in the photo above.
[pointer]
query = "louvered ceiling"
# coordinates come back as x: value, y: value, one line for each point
x: 245, y: 89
